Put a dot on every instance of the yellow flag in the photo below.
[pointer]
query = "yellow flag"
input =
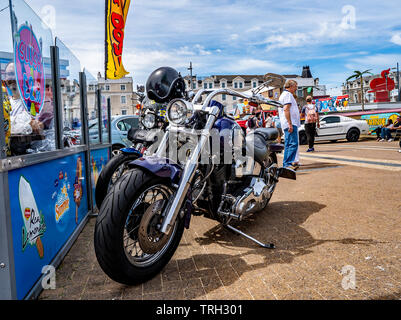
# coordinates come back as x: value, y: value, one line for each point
x: 116, y: 15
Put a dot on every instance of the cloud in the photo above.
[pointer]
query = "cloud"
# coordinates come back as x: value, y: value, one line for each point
x: 396, y: 39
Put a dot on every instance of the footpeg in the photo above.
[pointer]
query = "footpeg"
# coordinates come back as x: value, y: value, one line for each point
x: 264, y: 245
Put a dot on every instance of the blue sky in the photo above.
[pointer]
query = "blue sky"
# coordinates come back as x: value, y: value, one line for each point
x: 238, y: 37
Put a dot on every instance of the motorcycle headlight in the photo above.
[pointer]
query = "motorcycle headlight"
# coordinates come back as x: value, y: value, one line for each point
x: 149, y: 121
x: 178, y: 111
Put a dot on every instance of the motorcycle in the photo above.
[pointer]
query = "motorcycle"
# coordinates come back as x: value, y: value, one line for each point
x: 152, y: 123
x: 142, y: 219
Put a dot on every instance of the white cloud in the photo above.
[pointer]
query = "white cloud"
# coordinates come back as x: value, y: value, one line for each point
x: 396, y: 38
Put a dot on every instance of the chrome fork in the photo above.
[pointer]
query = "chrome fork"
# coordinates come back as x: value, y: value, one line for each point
x: 188, y: 173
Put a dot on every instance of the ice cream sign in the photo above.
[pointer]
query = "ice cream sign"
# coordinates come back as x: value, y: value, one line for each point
x: 29, y: 69
x: 34, y: 225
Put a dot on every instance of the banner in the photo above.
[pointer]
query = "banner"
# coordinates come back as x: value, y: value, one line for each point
x: 116, y: 15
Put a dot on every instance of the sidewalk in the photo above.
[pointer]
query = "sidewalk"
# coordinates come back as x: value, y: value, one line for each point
x: 331, y: 220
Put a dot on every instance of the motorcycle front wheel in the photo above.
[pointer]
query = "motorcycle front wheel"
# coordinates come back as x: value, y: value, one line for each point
x: 128, y: 246
x: 113, y: 170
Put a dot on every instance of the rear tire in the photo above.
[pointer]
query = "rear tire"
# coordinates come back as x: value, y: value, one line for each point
x: 109, y: 175
x: 116, y: 216
x: 353, y: 135
x: 303, y: 139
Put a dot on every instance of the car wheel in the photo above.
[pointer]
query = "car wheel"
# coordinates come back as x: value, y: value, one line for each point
x: 303, y: 139
x: 353, y: 135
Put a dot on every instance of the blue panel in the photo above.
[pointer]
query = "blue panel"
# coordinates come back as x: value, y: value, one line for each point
x: 48, y: 201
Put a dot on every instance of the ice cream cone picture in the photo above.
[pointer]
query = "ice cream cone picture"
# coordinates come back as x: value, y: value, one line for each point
x: 34, y: 224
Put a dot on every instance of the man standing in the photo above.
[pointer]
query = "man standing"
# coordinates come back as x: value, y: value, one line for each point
x: 290, y: 121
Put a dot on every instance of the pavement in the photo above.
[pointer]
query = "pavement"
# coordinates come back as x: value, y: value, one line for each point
x: 337, y: 231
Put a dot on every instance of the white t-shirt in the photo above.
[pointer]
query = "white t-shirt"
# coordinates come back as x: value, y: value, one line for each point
x: 287, y: 98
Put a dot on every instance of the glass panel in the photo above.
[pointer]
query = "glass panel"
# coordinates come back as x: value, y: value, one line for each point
x: 6, y: 57
x: 93, y: 124
x: 28, y: 81
x: 70, y: 95
x: 105, y: 132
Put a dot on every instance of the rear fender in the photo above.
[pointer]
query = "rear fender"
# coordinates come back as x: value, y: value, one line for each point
x: 276, y: 147
x: 160, y: 167
x: 131, y: 151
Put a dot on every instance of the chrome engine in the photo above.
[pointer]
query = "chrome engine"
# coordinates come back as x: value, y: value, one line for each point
x: 251, y: 199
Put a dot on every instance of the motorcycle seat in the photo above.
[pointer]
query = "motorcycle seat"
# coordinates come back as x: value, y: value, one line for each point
x: 269, y: 134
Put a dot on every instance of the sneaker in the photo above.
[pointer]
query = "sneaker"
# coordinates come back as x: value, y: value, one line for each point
x: 381, y: 140
x: 389, y: 140
x: 399, y: 151
x: 313, y: 149
x: 309, y: 150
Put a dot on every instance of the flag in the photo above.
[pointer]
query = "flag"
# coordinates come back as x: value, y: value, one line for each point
x: 116, y: 15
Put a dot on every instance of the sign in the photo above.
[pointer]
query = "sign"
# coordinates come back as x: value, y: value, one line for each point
x: 29, y: 70
x: 332, y: 104
x: 379, y: 119
x: 45, y: 211
x: 116, y: 15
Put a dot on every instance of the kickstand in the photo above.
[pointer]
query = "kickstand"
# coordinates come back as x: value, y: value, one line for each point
x: 264, y: 245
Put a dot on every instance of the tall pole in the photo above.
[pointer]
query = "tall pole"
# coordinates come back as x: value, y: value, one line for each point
x: 190, y: 75
x: 398, y: 82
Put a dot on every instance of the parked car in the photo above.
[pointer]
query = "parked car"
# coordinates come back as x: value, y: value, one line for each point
x: 334, y: 127
x: 120, y: 126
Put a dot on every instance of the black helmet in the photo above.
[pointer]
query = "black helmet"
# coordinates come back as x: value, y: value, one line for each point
x: 165, y: 84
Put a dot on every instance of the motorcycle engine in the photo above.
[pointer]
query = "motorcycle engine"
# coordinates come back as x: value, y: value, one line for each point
x: 249, y: 200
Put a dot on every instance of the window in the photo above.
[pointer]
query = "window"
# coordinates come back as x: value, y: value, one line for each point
x: 123, y: 99
x: 205, y: 86
x: 223, y: 97
x: 254, y: 84
x: 131, y: 122
x: 223, y: 84
x: 193, y: 85
x: 107, y: 87
x: 124, y: 112
x: 210, y: 85
x: 332, y: 119
x: 122, y: 87
x: 240, y: 85
x: 235, y: 85
x: 234, y: 98
x: 300, y: 93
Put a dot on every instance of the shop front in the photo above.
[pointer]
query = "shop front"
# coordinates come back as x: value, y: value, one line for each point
x: 49, y: 158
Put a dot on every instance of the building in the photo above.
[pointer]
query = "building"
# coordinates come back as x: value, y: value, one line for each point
x: 353, y: 88
x: 307, y: 85
x: 121, y: 93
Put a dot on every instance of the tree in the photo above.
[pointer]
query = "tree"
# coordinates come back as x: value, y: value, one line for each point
x: 359, y: 75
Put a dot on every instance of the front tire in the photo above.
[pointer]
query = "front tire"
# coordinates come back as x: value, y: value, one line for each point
x: 113, y: 170
x: 116, y: 231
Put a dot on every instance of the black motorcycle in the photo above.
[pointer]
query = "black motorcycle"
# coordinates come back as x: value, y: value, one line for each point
x: 152, y: 125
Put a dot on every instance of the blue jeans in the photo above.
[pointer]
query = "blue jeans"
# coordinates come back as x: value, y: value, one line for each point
x: 290, y: 146
x: 386, y: 133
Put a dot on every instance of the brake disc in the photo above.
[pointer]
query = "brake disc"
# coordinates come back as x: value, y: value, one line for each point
x: 150, y: 238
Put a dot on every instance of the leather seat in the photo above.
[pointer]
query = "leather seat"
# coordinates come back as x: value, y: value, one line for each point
x: 269, y: 134
x: 257, y: 142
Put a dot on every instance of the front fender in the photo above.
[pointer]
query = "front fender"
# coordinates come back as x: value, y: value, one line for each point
x: 160, y: 167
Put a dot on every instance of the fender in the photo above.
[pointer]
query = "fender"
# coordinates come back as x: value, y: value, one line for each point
x: 131, y: 151
x: 160, y: 167
x: 276, y: 147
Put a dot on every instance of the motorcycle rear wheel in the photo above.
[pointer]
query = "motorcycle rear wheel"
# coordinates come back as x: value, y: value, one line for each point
x: 116, y: 240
